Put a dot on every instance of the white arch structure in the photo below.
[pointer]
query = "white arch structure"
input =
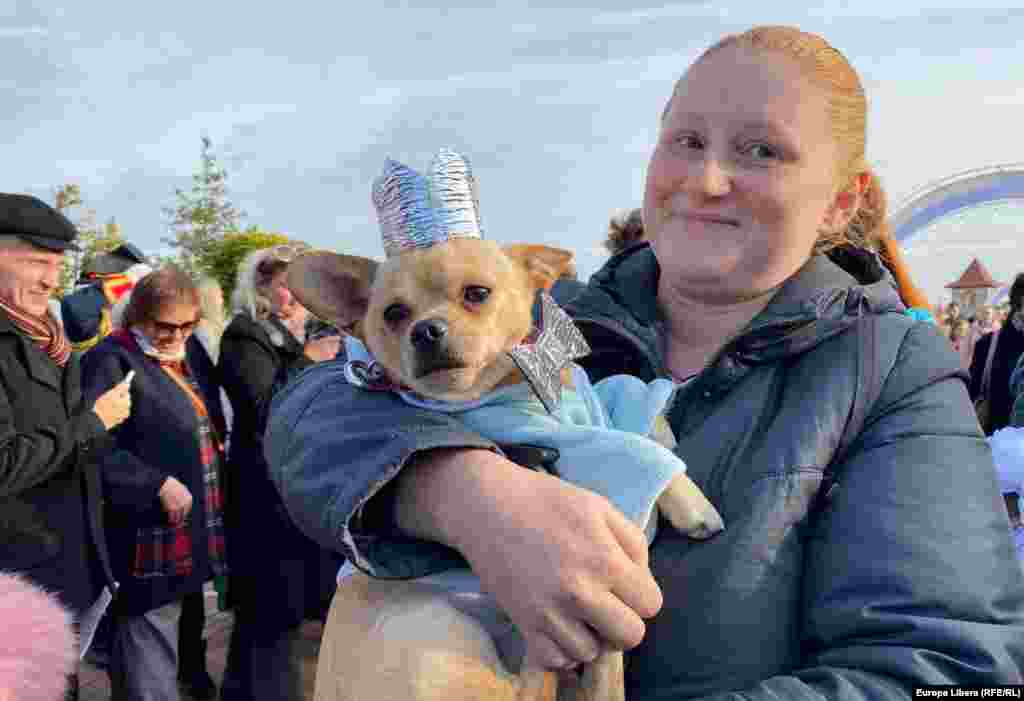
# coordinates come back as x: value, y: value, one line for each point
x: 942, y: 198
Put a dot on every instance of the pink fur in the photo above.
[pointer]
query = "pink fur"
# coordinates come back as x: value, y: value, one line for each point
x: 37, y: 645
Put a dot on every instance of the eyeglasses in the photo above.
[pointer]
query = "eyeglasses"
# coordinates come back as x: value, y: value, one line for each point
x: 287, y: 252
x: 166, y: 329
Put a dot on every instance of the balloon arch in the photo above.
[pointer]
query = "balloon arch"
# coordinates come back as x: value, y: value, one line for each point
x: 940, y: 199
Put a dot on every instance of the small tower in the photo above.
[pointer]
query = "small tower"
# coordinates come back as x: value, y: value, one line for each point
x: 974, y: 289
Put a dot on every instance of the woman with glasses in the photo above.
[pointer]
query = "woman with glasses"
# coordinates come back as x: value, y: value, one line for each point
x: 279, y: 577
x: 164, y: 512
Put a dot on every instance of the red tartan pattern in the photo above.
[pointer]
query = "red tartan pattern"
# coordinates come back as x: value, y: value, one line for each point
x: 166, y: 551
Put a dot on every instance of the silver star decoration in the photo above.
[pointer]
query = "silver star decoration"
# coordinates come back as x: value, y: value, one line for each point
x: 557, y: 344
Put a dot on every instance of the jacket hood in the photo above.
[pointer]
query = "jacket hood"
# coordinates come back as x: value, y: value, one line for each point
x: 821, y: 300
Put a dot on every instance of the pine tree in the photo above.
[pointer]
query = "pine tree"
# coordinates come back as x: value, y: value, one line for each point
x: 202, y: 215
x: 92, y: 239
x: 65, y: 197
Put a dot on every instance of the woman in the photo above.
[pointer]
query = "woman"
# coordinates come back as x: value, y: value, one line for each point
x: 164, y: 506
x: 1009, y: 340
x: 866, y: 547
x: 278, y: 575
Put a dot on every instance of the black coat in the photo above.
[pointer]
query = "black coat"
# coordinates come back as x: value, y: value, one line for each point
x: 1009, y: 348
x: 276, y: 571
x: 159, y: 440
x: 51, y: 526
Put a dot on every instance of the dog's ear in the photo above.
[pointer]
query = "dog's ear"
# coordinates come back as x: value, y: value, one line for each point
x: 544, y: 264
x: 334, y: 287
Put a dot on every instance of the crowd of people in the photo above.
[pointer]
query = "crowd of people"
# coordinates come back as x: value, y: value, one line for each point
x: 153, y: 413
x: 868, y: 545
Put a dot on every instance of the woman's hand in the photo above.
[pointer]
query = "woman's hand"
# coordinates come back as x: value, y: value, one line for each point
x: 566, y: 566
x: 176, y: 500
x: 324, y: 348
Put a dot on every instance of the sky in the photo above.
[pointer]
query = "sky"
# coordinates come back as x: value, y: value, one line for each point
x: 555, y: 104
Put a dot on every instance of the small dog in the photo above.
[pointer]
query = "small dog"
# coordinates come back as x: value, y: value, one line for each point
x: 440, y: 323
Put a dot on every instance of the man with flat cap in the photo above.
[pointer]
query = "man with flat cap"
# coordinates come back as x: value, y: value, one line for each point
x: 50, y: 517
x: 104, y: 280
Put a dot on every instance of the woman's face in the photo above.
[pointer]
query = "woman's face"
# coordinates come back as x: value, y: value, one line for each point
x: 743, y: 177
x: 283, y: 305
x: 217, y: 299
x: 170, y: 326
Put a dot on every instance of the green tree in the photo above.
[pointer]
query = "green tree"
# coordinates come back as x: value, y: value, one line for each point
x: 64, y: 198
x: 203, y: 215
x: 95, y: 240
x: 92, y: 239
x: 221, y: 258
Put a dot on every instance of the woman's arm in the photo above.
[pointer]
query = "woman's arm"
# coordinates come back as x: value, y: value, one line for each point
x: 910, y: 576
x: 333, y: 449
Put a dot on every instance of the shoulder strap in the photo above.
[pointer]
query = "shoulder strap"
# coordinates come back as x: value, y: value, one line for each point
x: 869, y: 387
x: 986, y: 377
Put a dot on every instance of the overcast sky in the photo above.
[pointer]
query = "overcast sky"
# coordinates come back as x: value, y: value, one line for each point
x: 556, y: 105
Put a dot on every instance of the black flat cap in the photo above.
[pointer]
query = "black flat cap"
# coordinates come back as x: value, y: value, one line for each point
x: 33, y: 220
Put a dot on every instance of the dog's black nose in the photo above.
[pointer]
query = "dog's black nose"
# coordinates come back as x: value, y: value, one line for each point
x: 429, y: 333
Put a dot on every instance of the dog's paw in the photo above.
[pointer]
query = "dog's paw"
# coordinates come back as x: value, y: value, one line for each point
x: 686, y: 508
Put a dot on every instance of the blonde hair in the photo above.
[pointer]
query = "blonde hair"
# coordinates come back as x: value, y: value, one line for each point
x: 847, y: 109
x: 624, y: 230
x: 251, y: 282
x: 212, y: 319
x: 211, y: 301
x: 255, y: 272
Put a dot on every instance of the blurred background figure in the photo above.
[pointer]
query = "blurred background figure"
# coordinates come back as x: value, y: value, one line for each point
x: 951, y: 313
x: 279, y: 577
x: 959, y: 337
x: 624, y: 230
x: 990, y: 372
x: 986, y: 322
x: 37, y: 648
x: 212, y: 317
x: 164, y: 515
x: 86, y: 312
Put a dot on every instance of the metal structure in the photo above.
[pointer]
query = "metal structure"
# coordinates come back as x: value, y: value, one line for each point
x: 981, y: 186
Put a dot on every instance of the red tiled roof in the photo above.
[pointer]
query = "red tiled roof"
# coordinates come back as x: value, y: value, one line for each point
x: 975, y: 276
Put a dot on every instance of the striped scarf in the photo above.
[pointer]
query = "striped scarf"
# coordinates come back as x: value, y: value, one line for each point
x: 44, y: 331
x: 166, y: 551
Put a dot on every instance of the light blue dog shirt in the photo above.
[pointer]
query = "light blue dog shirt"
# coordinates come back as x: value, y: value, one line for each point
x: 600, y: 431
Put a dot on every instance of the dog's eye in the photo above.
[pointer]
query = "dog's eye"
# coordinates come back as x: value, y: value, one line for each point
x: 396, y: 313
x: 474, y: 294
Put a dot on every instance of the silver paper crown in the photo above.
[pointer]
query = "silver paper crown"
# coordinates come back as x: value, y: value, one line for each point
x: 417, y: 211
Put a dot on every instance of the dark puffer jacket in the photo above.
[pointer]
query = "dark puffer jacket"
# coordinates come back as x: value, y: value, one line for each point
x: 905, y: 574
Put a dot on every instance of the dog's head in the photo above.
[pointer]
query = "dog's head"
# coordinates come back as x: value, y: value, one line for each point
x: 441, y: 320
